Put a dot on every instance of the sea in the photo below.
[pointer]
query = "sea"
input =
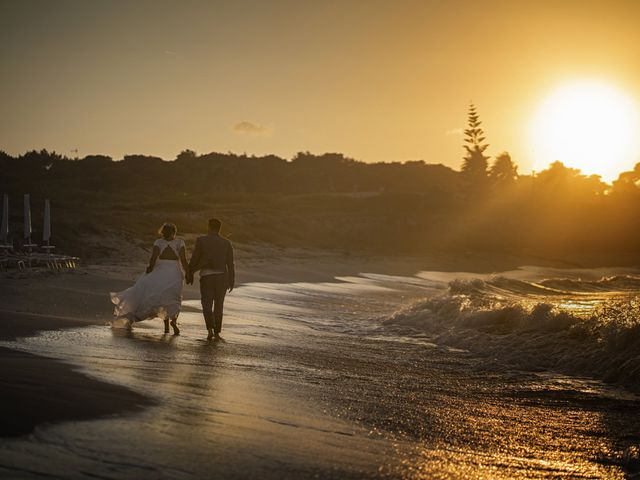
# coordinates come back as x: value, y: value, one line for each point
x: 529, y: 373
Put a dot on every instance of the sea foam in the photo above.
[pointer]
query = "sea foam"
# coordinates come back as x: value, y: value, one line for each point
x: 573, y: 326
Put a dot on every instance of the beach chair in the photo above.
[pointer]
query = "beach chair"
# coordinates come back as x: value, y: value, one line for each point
x: 13, y: 260
x: 51, y: 260
x: 29, y: 254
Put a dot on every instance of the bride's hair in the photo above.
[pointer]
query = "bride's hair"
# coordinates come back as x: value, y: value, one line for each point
x: 168, y: 231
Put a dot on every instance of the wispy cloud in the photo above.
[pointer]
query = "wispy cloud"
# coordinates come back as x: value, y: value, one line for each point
x: 454, y: 131
x: 170, y: 52
x: 249, y: 128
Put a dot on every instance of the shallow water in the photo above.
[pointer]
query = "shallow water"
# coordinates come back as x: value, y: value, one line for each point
x: 309, y: 383
x: 579, y: 323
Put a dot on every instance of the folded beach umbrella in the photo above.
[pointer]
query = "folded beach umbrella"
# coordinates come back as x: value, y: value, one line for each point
x: 27, y: 218
x: 4, y: 230
x: 46, y: 227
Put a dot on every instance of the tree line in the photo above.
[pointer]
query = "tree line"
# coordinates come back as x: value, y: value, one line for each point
x: 332, y: 201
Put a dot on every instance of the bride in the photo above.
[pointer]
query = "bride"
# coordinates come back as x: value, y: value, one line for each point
x: 158, y: 292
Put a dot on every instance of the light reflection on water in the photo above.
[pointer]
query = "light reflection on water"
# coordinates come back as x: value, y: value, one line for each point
x: 307, y: 382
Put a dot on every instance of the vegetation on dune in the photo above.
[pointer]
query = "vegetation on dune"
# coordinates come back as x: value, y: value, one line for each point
x: 331, y: 201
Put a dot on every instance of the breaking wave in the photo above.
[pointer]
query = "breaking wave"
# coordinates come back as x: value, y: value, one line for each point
x: 574, y: 326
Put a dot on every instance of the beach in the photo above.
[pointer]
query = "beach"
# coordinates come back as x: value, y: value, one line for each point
x: 320, y: 374
x: 41, y: 301
x: 40, y: 390
x: 432, y: 244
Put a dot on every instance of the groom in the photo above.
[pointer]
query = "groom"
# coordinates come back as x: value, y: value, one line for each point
x: 213, y: 256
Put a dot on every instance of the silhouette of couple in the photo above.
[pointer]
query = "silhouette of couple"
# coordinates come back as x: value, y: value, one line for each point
x: 158, y: 292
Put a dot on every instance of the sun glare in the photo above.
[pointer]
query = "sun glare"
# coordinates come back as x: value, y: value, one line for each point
x: 587, y: 125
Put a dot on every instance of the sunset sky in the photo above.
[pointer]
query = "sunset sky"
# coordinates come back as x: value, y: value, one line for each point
x: 375, y: 80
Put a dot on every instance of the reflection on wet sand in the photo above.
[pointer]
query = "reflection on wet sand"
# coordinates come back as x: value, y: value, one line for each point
x: 307, y: 382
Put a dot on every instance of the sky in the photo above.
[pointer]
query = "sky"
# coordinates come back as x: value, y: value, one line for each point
x: 375, y: 80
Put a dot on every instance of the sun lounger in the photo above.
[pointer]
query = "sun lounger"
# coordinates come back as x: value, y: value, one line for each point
x: 30, y: 255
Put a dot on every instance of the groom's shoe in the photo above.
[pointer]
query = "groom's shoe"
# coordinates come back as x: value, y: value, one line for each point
x: 210, y: 336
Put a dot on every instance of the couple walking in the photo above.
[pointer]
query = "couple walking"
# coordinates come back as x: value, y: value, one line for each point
x: 158, y: 292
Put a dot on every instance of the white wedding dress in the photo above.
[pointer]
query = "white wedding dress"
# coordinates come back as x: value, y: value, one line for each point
x: 155, y: 294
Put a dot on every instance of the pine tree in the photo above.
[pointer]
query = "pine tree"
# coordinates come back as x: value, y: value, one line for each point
x: 475, y: 161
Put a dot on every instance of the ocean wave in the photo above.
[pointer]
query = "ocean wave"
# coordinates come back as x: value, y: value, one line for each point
x: 573, y: 326
x: 619, y: 283
x: 552, y: 286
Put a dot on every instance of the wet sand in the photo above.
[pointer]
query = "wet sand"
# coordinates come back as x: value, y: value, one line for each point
x: 306, y: 384
x: 38, y: 390
x: 31, y: 303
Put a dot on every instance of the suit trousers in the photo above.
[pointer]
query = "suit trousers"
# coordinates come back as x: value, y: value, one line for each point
x: 213, y: 289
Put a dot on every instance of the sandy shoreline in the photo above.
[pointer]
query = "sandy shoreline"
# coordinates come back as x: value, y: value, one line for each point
x: 356, y: 379
x: 39, y: 390
x: 38, y: 302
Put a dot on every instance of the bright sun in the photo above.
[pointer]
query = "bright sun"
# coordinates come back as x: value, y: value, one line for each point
x: 587, y: 125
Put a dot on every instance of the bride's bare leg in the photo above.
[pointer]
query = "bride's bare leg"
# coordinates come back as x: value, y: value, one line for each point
x: 130, y: 319
x: 176, y: 330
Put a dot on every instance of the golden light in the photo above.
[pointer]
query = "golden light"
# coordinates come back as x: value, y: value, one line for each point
x: 587, y: 125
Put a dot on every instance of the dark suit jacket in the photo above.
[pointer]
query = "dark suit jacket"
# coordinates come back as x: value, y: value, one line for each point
x: 214, y: 252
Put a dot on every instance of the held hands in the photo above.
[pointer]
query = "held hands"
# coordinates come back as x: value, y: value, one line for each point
x: 189, y: 278
x: 231, y: 287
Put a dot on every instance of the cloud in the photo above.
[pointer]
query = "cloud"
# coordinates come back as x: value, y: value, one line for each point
x: 454, y: 131
x: 249, y: 128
